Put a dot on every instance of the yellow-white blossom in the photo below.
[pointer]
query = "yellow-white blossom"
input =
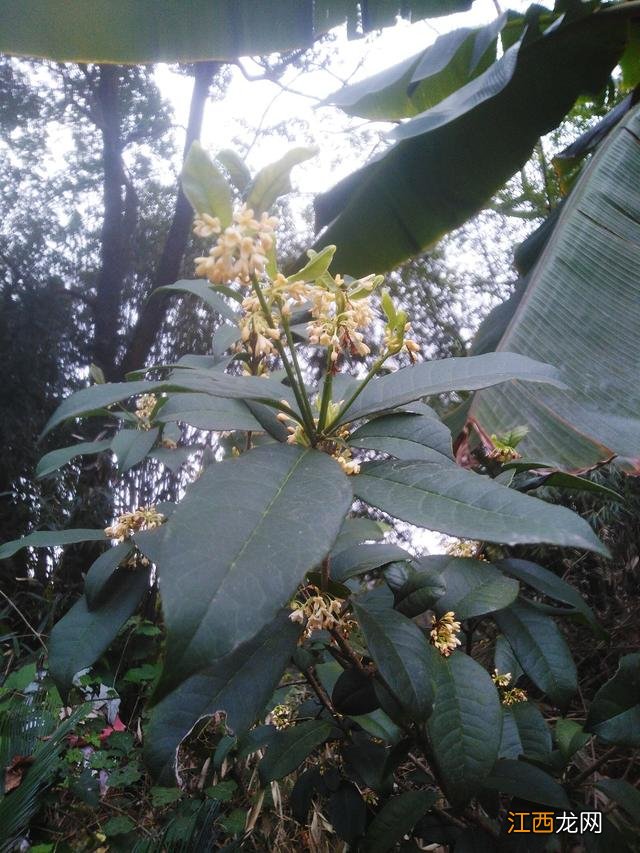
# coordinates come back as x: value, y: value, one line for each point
x: 145, y: 404
x: 143, y: 518
x: 317, y: 611
x: 240, y: 253
x: 444, y: 633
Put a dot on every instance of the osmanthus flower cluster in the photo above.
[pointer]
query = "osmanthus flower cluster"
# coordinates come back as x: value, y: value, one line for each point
x: 272, y: 571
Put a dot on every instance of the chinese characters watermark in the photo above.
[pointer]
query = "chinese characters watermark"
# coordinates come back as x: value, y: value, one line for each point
x: 544, y: 822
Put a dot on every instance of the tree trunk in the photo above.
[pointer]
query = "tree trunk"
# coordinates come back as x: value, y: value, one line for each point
x: 113, y: 249
x: 153, y: 312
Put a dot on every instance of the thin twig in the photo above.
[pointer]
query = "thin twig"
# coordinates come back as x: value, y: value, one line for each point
x: 35, y: 633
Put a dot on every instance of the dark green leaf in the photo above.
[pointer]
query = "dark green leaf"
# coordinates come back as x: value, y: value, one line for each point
x: 353, y: 694
x: 239, y: 684
x: 274, y: 180
x: 525, y: 732
x: 356, y: 530
x: 50, y: 538
x: 449, y: 374
x: 290, y: 747
x: 164, y: 796
x: 541, y: 650
x: 205, y: 186
x: 406, y: 437
x: 359, y: 559
x: 132, y: 445
x: 400, y: 652
x: 623, y: 794
x: 82, y: 635
x: 208, y: 413
x: 243, y: 537
x: 96, y: 582
x: 367, y: 760
x: 570, y: 737
x: 57, y: 458
x: 420, y: 590
x: 307, y: 785
x: 204, y: 291
x: 474, y: 587
x: 614, y: 715
x: 562, y: 480
x: 397, y: 817
x: 423, y: 80
x: 461, y: 503
x: 466, y: 724
x: 528, y: 782
x: 347, y: 813
x: 588, y: 325
x: 452, y: 159
x: 239, y: 174
x: 505, y: 660
x: 549, y: 584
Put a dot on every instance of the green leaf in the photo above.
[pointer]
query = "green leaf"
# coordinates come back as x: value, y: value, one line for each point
x: 359, y: 559
x: 245, y: 533
x: 525, y: 732
x: 623, y: 794
x: 132, y: 445
x: 414, y: 591
x: 541, y: 650
x: 274, y: 180
x: 461, y: 503
x: 465, y: 726
x: 204, y: 291
x: 118, y: 825
x: 96, y: 582
x: 473, y: 588
x: 505, y: 661
x: 400, y: 652
x: 57, y: 458
x: 570, y: 737
x: 290, y: 747
x: 527, y: 782
x: 549, y: 584
x: 239, y: 684
x: 356, y: 530
x: 205, y: 186
x: 223, y: 791
x: 164, y: 796
x: 317, y: 265
x: 406, y: 437
x: 588, y: 325
x: 209, y: 413
x: 614, y: 715
x: 347, y: 813
x: 159, y: 31
x: 395, y: 819
x: 434, y: 178
x: 239, y: 174
x: 421, y: 81
x: 140, y: 674
x: 353, y: 694
x: 82, y: 635
x: 448, y: 374
x: 50, y: 538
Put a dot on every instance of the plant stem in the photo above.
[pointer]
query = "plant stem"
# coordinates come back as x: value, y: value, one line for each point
x: 298, y: 392
x: 326, y: 392
x: 325, y: 574
x: 296, y: 365
x: 377, y: 364
x: 581, y: 777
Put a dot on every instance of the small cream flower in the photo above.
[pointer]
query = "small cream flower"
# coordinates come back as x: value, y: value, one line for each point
x: 145, y: 405
x: 143, y: 518
x: 317, y: 611
x: 444, y: 633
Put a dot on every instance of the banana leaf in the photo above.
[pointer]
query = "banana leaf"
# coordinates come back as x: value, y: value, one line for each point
x: 581, y: 311
x: 129, y: 32
x: 450, y: 160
